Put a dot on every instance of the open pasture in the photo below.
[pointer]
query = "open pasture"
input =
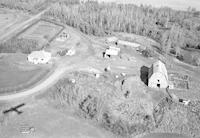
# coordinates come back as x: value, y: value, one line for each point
x: 10, y: 19
x: 7, y: 18
x: 15, y: 76
x: 42, y: 31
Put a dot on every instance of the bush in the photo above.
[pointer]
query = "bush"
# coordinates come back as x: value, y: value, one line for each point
x: 148, y: 52
x: 114, y: 125
x: 196, y: 60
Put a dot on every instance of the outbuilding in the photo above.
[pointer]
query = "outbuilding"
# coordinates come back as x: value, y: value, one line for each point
x: 39, y: 57
x: 112, y: 51
x: 157, y: 76
x: 62, y: 37
x: 112, y: 39
x: 127, y: 43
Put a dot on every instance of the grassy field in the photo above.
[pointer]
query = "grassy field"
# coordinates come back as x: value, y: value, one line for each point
x: 15, y: 76
x: 42, y: 31
x: 10, y: 19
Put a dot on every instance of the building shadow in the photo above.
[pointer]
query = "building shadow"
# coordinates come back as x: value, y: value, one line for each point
x: 144, y: 71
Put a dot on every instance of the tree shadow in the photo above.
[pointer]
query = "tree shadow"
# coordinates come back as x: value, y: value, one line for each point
x: 144, y: 71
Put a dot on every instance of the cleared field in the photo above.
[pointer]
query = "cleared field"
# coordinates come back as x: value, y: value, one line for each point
x: 42, y: 31
x: 10, y: 19
x: 14, y: 77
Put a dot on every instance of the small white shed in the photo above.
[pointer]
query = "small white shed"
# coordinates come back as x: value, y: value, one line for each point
x: 157, y: 76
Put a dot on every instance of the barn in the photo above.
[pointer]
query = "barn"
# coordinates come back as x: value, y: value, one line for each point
x: 39, y: 57
x: 157, y: 76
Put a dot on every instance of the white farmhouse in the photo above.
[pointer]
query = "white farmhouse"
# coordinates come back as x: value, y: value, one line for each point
x: 39, y: 57
x: 158, y: 77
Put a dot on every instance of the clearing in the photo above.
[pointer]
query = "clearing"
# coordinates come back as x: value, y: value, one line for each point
x: 16, y: 73
x: 48, y: 121
x: 42, y: 31
x: 10, y: 19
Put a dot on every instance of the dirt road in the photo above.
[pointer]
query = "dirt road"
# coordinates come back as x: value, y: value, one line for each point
x: 22, y: 26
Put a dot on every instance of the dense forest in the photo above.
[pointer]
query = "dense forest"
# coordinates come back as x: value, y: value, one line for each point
x: 172, y: 29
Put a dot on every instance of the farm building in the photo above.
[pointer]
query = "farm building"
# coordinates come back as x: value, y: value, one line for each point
x: 111, y: 39
x: 112, y: 51
x: 157, y: 76
x: 62, y: 37
x: 39, y: 57
x: 126, y: 43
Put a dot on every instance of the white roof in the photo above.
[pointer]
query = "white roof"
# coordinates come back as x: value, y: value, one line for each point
x: 112, y: 39
x: 114, y: 48
x: 160, y: 68
x: 113, y: 51
x: 40, y: 54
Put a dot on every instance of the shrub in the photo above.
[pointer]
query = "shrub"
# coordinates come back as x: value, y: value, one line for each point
x: 148, y: 52
x: 196, y: 60
x: 114, y: 125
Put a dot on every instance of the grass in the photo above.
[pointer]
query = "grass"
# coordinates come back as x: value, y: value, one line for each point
x: 14, y: 79
x: 42, y: 31
x: 31, y: 6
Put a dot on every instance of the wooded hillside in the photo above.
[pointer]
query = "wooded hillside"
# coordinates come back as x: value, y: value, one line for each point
x: 173, y: 29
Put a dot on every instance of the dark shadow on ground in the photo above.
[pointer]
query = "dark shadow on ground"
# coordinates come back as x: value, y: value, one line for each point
x: 144, y: 71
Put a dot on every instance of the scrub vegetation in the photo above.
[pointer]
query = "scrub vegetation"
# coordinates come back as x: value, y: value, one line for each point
x: 19, y: 45
x: 100, y: 101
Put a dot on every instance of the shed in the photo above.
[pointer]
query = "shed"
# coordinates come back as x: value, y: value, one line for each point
x: 39, y: 57
x: 157, y: 76
x: 112, y: 51
x: 127, y: 43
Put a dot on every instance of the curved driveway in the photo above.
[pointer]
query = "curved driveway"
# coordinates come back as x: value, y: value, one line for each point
x: 62, y: 66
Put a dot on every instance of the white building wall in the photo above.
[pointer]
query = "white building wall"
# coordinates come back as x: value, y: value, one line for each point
x: 158, y: 76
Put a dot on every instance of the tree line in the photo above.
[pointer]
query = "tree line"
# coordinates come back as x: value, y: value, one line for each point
x: 172, y: 29
x: 22, y: 45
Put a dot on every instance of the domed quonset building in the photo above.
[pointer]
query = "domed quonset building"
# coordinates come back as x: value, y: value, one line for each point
x: 157, y: 76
